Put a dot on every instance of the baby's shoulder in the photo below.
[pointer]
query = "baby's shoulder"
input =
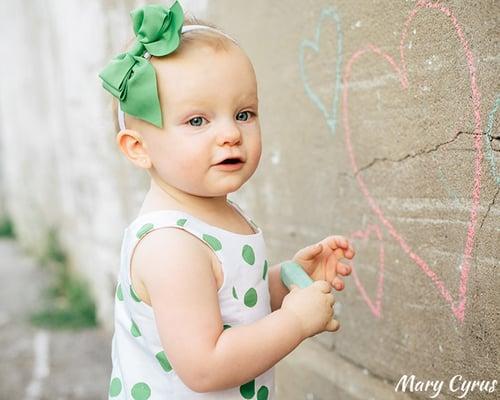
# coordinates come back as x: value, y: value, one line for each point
x: 168, y: 252
x: 169, y: 245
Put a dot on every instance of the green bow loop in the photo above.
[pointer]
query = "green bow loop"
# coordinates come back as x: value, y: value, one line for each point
x: 115, y: 75
x: 158, y: 28
x: 132, y: 80
x: 130, y: 77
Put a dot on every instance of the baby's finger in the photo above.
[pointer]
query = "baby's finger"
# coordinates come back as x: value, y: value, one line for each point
x: 349, y: 253
x: 338, y: 284
x: 333, y: 325
x: 323, y: 285
x: 331, y: 298
x: 343, y: 269
x: 337, y: 241
x: 339, y: 253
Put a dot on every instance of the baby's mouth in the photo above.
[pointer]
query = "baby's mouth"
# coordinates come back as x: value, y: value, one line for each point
x: 231, y: 161
x: 231, y: 164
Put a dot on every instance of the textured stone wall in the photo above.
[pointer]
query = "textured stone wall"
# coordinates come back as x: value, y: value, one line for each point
x: 379, y: 123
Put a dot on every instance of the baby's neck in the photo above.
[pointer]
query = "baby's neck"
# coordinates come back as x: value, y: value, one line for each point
x: 165, y: 197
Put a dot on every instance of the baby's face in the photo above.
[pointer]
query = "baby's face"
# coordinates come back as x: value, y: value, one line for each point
x: 210, y: 113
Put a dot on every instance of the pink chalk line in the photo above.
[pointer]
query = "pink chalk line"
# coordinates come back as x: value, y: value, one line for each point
x: 376, y: 308
x: 458, y: 307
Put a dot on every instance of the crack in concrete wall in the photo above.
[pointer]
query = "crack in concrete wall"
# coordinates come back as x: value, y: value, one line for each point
x: 492, y: 202
x: 413, y: 155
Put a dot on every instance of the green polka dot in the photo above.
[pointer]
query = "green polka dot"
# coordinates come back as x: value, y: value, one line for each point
x: 133, y: 295
x: 265, y: 270
x: 144, y: 229
x: 227, y: 326
x: 134, y: 330
x: 212, y: 241
x: 181, y: 221
x: 234, y: 293
x: 250, y: 297
x: 247, y: 390
x: 248, y: 254
x: 141, y: 391
x: 115, y: 387
x: 163, y: 360
x: 263, y: 393
x: 119, y: 292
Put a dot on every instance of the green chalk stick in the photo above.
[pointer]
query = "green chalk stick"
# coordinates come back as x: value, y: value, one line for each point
x: 292, y: 273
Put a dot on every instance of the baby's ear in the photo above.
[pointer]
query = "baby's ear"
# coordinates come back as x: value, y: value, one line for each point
x: 133, y: 146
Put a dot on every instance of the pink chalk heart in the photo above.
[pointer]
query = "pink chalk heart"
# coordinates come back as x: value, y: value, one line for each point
x: 376, y: 308
x: 457, y: 305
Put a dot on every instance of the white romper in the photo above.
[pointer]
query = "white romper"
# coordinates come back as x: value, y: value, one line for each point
x: 141, y: 370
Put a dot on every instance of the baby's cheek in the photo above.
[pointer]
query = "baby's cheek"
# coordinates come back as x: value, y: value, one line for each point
x: 254, y: 151
x: 188, y: 163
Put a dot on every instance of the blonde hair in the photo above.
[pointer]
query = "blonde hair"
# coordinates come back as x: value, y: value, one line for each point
x: 188, y: 40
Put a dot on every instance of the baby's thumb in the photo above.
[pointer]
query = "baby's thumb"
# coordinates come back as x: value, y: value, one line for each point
x: 333, y: 325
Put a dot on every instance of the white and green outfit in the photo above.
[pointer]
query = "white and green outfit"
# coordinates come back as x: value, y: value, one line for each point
x: 141, y: 370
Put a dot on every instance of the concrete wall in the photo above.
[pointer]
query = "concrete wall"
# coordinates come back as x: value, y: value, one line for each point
x: 379, y: 123
x: 378, y: 119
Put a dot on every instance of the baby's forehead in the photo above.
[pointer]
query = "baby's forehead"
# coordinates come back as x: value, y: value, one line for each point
x: 203, y: 58
x: 203, y: 69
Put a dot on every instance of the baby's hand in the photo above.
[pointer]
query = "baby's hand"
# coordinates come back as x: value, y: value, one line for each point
x: 321, y: 260
x: 313, y: 308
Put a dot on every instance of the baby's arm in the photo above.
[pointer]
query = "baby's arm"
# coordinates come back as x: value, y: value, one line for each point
x: 175, y: 268
x: 277, y: 289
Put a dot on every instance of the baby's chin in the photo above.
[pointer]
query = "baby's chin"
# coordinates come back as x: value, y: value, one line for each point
x: 227, y: 188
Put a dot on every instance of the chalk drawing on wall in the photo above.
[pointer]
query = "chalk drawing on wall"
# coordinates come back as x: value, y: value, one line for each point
x: 375, y: 305
x: 314, y: 45
x: 457, y: 304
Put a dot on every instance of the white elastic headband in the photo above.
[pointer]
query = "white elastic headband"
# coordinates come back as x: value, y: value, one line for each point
x: 185, y: 28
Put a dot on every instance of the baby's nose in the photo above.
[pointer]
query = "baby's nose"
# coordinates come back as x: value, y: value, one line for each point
x: 228, y: 133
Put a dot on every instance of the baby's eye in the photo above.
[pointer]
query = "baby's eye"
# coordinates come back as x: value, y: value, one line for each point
x: 197, y: 121
x: 249, y: 113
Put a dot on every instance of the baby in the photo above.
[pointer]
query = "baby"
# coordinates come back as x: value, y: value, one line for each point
x: 199, y: 312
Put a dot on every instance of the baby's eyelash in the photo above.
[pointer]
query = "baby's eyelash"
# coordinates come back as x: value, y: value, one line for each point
x: 198, y: 116
x: 252, y: 113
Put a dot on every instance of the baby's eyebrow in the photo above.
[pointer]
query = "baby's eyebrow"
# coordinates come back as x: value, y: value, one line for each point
x: 187, y: 104
x: 200, y: 103
x: 252, y: 96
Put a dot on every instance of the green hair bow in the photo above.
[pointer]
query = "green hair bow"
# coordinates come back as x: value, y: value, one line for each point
x: 130, y: 77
